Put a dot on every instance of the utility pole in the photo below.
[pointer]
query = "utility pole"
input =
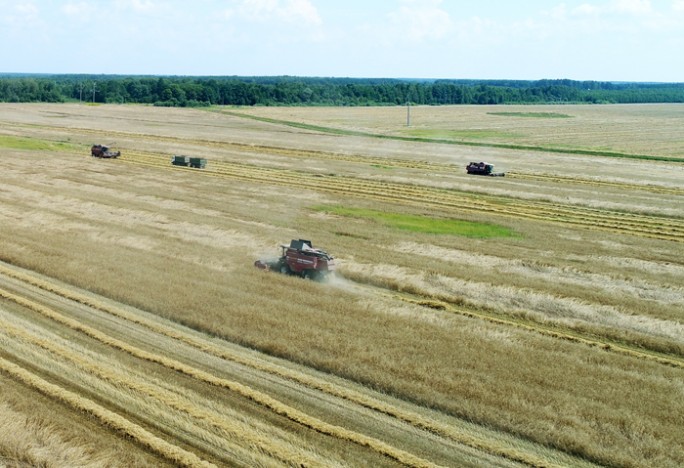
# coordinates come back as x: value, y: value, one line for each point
x: 94, y: 85
x: 80, y: 92
x: 408, y: 114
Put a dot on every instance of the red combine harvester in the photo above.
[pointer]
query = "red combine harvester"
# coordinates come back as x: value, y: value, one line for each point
x: 483, y: 168
x: 300, y: 259
x: 100, y: 151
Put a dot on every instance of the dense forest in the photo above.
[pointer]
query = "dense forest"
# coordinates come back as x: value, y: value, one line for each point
x: 287, y: 90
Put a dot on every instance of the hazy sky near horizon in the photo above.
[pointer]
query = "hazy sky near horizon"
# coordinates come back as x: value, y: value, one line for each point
x: 606, y: 40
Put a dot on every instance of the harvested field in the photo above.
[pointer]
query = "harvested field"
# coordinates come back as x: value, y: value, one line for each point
x: 551, y: 332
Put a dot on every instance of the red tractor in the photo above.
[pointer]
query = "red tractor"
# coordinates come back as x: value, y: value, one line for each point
x: 300, y: 259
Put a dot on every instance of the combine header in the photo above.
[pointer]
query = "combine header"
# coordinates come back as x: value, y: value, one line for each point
x: 300, y: 259
x: 483, y: 168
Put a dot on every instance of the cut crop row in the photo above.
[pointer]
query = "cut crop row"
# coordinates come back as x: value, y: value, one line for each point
x: 460, y: 436
x: 660, y: 227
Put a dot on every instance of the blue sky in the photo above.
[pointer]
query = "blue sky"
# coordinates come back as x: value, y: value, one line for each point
x: 613, y: 40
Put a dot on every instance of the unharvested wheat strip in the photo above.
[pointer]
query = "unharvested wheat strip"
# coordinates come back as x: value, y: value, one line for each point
x: 414, y: 419
x: 243, y: 390
x: 238, y: 431
x: 144, y: 437
x: 595, y: 182
x: 606, y: 345
x: 442, y: 302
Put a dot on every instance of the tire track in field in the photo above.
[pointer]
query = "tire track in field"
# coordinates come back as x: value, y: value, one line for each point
x: 658, y: 227
x: 421, y: 422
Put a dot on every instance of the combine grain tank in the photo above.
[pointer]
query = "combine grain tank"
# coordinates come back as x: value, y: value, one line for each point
x: 300, y: 258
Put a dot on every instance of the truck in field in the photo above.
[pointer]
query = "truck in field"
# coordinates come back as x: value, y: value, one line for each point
x: 188, y: 161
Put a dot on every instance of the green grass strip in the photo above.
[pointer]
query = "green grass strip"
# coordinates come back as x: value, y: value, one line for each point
x: 459, y: 135
x: 22, y: 143
x: 337, y: 131
x: 424, y: 224
x: 537, y: 115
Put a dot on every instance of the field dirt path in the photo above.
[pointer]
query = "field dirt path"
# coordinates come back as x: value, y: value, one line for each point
x: 374, y: 425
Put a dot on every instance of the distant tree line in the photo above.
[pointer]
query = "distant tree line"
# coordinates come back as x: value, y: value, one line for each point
x: 286, y: 90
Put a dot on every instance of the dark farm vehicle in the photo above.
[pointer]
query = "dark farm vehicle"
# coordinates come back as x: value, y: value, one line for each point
x: 483, y: 168
x: 300, y: 259
x: 180, y: 160
x: 100, y: 151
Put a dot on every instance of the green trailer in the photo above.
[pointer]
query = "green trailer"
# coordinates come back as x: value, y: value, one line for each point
x: 187, y: 161
x: 199, y: 163
x: 180, y: 160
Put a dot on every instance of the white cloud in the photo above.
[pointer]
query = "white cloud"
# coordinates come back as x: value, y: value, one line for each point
x: 20, y: 15
x: 139, y: 6
x: 258, y: 9
x: 422, y: 20
x: 87, y: 10
x: 626, y: 7
x: 303, y: 10
x: 559, y: 12
x: 587, y: 9
x: 27, y: 9
x: 594, y: 9
x: 634, y: 7
x: 79, y: 9
x: 290, y: 11
x: 626, y: 17
x: 21, y: 23
x: 574, y: 38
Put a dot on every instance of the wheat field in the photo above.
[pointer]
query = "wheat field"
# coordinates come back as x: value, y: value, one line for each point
x: 528, y: 320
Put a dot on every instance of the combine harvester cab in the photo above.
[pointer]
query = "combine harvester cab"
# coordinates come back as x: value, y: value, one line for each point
x: 483, y: 168
x: 300, y: 258
x: 100, y: 151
